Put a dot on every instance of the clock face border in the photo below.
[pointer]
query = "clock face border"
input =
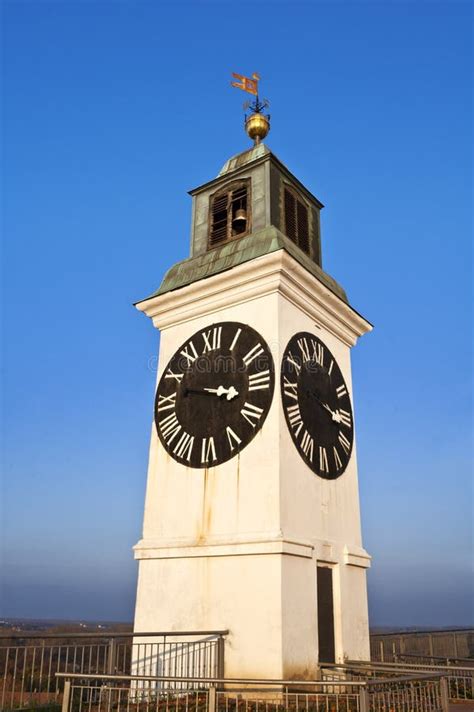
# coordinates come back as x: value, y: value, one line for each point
x: 222, y: 354
x: 314, y: 396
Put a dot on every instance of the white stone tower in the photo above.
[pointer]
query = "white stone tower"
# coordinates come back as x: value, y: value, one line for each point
x: 252, y: 518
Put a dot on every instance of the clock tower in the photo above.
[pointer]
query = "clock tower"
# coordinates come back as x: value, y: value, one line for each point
x: 252, y: 519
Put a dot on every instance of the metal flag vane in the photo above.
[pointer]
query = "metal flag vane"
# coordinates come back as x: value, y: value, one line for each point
x: 257, y: 125
x: 248, y: 84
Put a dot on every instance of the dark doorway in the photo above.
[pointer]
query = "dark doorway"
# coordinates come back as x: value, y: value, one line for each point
x: 325, y: 615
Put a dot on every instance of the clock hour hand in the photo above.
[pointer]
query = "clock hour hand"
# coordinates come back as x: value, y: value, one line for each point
x: 229, y: 393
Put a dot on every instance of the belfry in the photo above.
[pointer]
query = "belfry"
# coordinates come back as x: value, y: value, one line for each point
x: 252, y: 520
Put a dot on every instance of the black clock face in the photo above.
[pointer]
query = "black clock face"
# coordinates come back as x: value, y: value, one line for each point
x: 317, y: 405
x: 214, y: 394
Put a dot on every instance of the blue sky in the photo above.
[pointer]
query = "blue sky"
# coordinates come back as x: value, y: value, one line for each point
x: 111, y: 112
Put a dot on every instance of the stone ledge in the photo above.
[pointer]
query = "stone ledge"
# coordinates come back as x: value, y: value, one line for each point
x: 151, y: 550
x: 357, y: 557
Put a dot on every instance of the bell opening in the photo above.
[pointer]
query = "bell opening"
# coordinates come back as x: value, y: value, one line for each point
x: 239, y: 218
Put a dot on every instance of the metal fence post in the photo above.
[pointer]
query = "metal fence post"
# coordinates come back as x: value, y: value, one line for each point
x: 212, y: 699
x: 111, y: 657
x: 66, y: 696
x: 382, y: 659
x: 443, y: 684
x: 364, y: 701
x: 430, y: 643
x: 220, y: 656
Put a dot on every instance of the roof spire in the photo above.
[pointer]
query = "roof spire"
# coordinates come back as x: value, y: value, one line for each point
x: 257, y: 124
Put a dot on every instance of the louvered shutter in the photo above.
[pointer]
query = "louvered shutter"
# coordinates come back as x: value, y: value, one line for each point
x: 219, y: 218
x: 296, y: 220
x: 239, y: 194
x: 290, y: 216
x: 302, y: 221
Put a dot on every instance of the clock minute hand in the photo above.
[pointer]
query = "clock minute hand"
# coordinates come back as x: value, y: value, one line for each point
x: 195, y: 391
x: 230, y: 392
x: 324, y: 405
x: 335, y: 415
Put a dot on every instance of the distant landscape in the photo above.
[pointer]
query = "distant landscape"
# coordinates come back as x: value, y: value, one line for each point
x: 77, y: 625
x: 61, y: 626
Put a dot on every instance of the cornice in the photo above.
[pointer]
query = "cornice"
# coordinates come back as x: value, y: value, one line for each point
x: 356, y: 556
x: 258, y: 544
x: 271, y: 543
x: 276, y: 272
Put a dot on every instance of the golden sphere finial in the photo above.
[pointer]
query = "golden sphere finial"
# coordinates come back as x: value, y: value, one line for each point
x: 257, y: 126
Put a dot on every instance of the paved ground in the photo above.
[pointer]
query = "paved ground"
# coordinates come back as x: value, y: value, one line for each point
x: 462, y: 707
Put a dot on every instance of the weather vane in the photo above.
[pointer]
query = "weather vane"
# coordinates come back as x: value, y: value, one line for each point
x: 257, y: 124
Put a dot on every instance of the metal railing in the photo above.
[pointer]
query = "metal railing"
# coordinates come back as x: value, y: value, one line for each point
x: 33, y: 667
x: 420, y: 693
x: 432, y: 660
x: 30, y: 663
x: 453, y: 644
x: 459, y: 680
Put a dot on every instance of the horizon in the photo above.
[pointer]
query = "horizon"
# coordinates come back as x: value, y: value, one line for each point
x: 86, y: 621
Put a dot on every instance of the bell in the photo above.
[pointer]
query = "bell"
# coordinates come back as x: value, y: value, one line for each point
x: 240, y: 217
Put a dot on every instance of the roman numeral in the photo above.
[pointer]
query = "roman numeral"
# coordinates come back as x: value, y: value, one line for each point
x: 232, y: 438
x: 337, y: 459
x: 290, y: 388
x: 345, y: 417
x: 258, y: 381
x: 345, y: 444
x: 208, y: 450
x: 304, y: 348
x: 330, y: 367
x: 307, y: 445
x: 291, y: 359
x: 234, y: 340
x: 212, y: 339
x: 177, y: 376
x: 341, y: 391
x: 184, y: 446
x: 252, y: 354
x: 251, y: 413
x: 294, y: 417
x: 166, y: 402
x: 318, y: 352
x: 323, y: 460
x: 189, y: 353
x: 317, y: 348
x: 169, y: 427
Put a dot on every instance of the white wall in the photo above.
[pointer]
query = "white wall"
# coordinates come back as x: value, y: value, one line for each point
x: 236, y: 546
